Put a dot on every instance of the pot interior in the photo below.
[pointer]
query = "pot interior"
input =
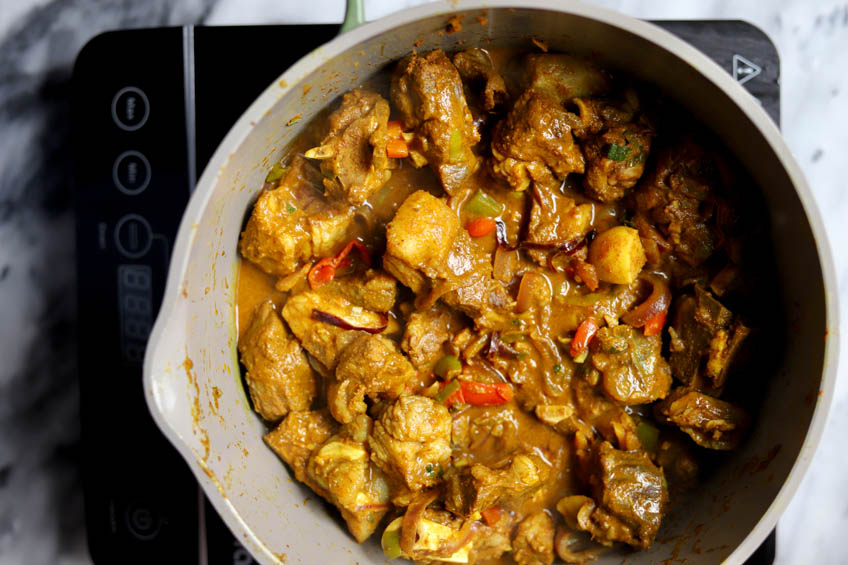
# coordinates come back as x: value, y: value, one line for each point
x: 193, y: 372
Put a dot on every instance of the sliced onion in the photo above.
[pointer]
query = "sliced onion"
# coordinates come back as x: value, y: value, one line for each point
x: 658, y: 301
x: 409, y: 526
x: 498, y: 347
x: 576, y: 547
x: 503, y: 267
x: 525, y: 291
x: 333, y: 320
x: 375, y: 506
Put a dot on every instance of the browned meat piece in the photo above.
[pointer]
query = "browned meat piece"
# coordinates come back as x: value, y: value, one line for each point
x: 555, y: 218
x: 374, y: 290
x: 654, y: 243
x: 534, y: 143
x: 343, y: 473
x: 490, y: 542
x: 680, y: 195
x: 597, y: 114
x: 322, y: 340
x: 427, y: 91
x: 335, y: 464
x: 632, y: 489
x: 293, y: 223
x: 610, y: 419
x: 710, y: 422
x: 632, y: 367
x: 353, y: 154
x: 428, y: 251
x: 411, y: 441
x: 533, y: 543
x: 629, y: 499
x: 470, y: 287
x: 278, y: 374
x: 583, y: 514
x: 475, y: 66
x: 480, y: 487
x: 426, y: 331
x: 615, y: 161
x: 705, y: 339
x: 298, y: 436
x: 370, y: 365
x: 563, y: 77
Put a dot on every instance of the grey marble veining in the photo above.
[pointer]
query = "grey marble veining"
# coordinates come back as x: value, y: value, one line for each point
x: 40, y: 493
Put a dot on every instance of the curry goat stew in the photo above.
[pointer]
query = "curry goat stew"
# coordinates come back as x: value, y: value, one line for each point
x: 495, y: 308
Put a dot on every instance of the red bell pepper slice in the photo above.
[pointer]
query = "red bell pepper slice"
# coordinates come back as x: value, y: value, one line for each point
x: 325, y: 270
x: 584, y: 334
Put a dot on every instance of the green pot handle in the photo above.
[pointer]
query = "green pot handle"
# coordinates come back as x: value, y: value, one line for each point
x: 354, y: 15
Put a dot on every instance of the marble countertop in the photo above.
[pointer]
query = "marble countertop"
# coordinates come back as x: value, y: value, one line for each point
x: 40, y: 493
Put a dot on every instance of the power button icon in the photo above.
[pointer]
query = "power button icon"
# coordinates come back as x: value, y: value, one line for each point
x: 142, y: 522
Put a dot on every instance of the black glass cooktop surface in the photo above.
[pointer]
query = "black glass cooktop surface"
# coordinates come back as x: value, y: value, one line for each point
x: 149, y: 109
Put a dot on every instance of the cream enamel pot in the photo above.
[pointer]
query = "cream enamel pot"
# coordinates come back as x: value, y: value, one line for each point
x: 191, y: 371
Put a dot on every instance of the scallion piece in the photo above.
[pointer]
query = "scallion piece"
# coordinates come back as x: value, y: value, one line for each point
x: 648, y: 435
x: 617, y: 152
x: 447, y: 392
x: 391, y: 543
x: 446, y: 366
x: 481, y: 204
x: 511, y: 337
x: 276, y: 173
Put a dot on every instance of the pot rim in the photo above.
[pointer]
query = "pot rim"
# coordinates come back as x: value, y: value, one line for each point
x: 647, y: 31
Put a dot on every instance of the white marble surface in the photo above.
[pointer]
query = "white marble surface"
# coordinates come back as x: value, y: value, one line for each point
x: 40, y: 499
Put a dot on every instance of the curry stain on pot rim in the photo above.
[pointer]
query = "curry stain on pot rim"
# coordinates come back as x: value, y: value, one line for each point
x: 188, y: 364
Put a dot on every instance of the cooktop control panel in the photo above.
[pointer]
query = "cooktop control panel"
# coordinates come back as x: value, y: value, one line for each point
x: 149, y: 108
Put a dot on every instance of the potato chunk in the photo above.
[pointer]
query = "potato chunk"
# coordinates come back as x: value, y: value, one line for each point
x: 421, y: 234
x: 617, y: 255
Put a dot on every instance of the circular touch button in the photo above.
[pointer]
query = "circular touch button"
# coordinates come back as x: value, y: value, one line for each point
x: 133, y: 236
x: 143, y: 523
x: 130, y: 108
x: 131, y: 172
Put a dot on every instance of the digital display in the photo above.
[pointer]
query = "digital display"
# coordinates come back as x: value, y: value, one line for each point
x: 135, y: 305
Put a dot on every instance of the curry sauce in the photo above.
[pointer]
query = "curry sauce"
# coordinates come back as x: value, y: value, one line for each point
x: 483, y: 310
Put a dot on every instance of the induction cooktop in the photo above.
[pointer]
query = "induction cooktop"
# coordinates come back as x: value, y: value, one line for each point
x: 149, y: 108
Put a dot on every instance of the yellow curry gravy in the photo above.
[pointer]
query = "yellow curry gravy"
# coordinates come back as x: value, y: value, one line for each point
x: 562, y: 408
